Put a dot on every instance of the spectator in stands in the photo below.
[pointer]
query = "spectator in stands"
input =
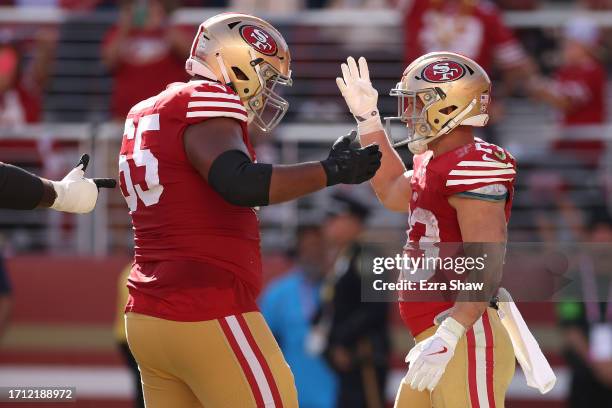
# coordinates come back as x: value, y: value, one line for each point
x: 143, y: 52
x: 587, y: 326
x: 473, y: 28
x: 121, y: 338
x: 578, y: 88
x: 357, y: 339
x: 288, y: 305
x: 21, y: 86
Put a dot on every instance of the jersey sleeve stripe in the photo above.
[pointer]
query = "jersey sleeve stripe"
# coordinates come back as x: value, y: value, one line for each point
x: 485, y: 197
x: 485, y: 164
x: 213, y: 114
x: 207, y: 104
x: 215, y: 95
x: 476, y: 181
x: 481, y: 172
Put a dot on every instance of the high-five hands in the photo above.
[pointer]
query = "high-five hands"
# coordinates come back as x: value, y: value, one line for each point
x: 349, y: 165
x: 77, y: 194
x: 359, y: 94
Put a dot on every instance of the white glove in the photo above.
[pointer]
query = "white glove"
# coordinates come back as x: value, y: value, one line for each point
x: 360, y: 95
x: 428, y: 359
x: 77, y: 194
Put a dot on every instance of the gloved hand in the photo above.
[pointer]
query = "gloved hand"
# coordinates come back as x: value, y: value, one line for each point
x: 77, y: 194
x: 360, y: 95
x: 349, y: 165
x: 428, y: 358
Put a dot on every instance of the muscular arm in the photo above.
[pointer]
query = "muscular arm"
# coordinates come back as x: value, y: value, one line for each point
x: 206, y: 141
x: 21, y: 190
x: 480, y: 222
x: 392, y: 181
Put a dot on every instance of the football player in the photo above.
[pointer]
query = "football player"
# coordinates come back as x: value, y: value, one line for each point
x: 21, y: 190
x: 189, y: 176
x: 460, y: 190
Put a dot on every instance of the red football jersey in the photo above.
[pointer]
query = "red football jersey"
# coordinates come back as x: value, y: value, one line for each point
x: 476, y: 31
x: 586, y: 87
x: 469, y: 168
x: 197, y: 257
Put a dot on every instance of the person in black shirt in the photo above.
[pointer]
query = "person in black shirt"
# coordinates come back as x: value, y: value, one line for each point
x: 587, y: 325
x: 357, y: 343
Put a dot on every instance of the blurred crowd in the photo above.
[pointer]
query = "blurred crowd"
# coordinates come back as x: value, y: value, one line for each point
x: 337, y: 345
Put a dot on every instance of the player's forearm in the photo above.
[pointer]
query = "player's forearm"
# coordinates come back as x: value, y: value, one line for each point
x: 467, y: 313
x: 297, y: 180
x: 392, y: 181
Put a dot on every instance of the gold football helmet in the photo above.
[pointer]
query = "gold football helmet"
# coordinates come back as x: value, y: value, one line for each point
x: 438, y: 92
x: 248, y: 54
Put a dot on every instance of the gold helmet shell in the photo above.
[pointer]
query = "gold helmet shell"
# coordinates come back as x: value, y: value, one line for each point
x: 438, y: 92
x: 251, y: 56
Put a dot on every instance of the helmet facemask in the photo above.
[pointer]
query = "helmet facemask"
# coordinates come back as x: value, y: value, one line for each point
x: 267, y: 108
x: 412, y: 109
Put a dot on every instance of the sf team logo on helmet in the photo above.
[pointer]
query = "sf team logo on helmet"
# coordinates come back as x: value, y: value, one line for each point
x: 443, y: 71
x: 259, y: 39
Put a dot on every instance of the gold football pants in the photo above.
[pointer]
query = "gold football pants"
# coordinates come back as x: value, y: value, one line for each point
x: 232, y: 362
x: 478, y: 374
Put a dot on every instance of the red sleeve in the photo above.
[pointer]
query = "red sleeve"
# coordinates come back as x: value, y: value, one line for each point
x: 205, y: 100
x: 489, y: 165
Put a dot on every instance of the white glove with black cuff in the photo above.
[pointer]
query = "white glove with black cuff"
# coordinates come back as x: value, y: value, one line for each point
x: 360, y: 96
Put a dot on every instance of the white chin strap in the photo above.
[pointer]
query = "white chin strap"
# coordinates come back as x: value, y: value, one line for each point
x: 194, y: 67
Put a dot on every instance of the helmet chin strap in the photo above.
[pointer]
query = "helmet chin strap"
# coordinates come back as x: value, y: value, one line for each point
x: 420, y: 146
x: 221, y: 64
x: 456, y: 121
x: 194, y: 67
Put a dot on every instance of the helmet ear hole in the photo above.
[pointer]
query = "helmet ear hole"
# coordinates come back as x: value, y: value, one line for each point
x: 240, y: 75
x: 448, y: 110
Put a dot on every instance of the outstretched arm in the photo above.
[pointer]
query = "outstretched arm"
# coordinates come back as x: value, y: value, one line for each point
x: 21, y: 190
x: 217, y: 151
x: 392, y: 182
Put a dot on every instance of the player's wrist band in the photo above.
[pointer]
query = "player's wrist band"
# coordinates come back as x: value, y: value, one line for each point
x: 370, y: 125
x: 451, y: 330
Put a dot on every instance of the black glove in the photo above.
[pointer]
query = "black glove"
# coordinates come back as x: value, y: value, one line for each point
x: 349, y: 165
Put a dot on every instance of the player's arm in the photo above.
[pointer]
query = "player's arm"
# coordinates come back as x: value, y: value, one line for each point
x: 392, y: 182
x: 21, y: 190
x: 217, y: 151
x: 483, y: 229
